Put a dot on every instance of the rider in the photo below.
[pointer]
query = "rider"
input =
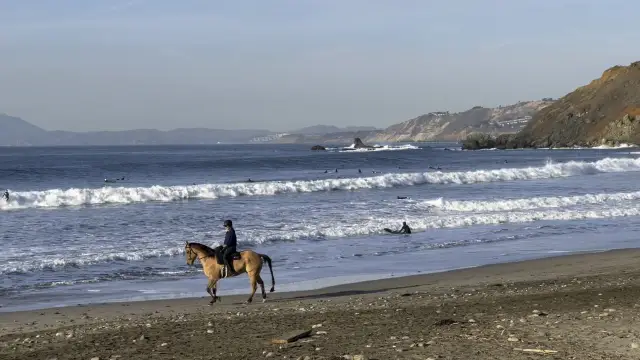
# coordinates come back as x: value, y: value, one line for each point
x: 229, y: 248
x: 405, y: 228
x: 6, y: 195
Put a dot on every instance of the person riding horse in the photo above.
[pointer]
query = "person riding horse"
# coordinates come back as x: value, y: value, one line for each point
x: 229, y: 247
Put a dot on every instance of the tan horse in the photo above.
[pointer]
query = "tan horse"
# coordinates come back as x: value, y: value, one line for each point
x: 248, y: 261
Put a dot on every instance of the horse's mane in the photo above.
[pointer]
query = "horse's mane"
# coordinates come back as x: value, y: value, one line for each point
x: 204, y: 248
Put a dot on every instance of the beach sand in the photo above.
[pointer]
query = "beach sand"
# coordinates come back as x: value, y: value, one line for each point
x: 583, y: 306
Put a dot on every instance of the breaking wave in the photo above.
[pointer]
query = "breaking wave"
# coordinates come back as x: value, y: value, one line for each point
x: 528, y: 203
x: 125, y: 195
x: 317, y: 231
x: 379, y: 148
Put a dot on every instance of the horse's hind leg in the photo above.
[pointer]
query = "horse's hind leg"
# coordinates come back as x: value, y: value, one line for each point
x: 261, y: 283
x: 253, y: 280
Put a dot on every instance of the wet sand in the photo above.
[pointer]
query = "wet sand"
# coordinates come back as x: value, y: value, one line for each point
x: 582, y: 306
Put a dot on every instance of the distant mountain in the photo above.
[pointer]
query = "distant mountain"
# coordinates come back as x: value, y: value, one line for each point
x: 17, y: 132
x: 339, y: 138
x: 434, y: 126
x: 330, y: 129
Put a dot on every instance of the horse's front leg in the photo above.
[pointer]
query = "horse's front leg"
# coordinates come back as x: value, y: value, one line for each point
x: 211, y: 290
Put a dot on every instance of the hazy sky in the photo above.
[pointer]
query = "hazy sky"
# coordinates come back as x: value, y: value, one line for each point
x: 98, y: 64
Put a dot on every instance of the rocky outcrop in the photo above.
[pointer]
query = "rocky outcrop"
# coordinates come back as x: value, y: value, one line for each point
x: 358, y: 144
x: 604, y: 112
x: 318, y: 148
x: 477, y: 141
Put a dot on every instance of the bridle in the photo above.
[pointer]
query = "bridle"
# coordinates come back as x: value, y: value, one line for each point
x: 191, y: 251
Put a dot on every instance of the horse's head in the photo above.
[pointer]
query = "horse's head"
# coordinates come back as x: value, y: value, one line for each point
x: 190, y: 253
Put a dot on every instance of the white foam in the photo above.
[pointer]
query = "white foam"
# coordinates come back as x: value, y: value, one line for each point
x: 528, y: 203
x: 621, y: 146
x: 77, y: 258
x: 359, y: 224
x: 126, y: 195
x: 374, y: 225
x: 352, y: 148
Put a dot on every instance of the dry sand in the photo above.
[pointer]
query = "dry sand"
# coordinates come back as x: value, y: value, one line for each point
x: 582, y: 306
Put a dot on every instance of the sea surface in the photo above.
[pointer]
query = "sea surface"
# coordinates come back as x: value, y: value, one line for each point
x: 68, y: 237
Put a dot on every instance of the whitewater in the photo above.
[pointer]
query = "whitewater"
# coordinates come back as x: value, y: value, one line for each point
x: 127, y: 195
x: 68, y: 237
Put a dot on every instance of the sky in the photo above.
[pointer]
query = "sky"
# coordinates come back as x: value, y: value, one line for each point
x: 284, y: 64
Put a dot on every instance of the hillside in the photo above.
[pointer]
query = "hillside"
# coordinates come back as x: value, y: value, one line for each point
x: 434, y: 126
x: 17, y: 132
x: 445, y: 126
x: 604, y: 112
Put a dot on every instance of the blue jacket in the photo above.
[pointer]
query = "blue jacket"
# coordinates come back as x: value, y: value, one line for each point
x: 230, y: 238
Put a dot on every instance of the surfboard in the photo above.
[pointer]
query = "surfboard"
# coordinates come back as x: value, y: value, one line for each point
x: 391, y: 231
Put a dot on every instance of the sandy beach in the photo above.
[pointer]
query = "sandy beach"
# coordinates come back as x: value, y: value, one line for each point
x: 581, y: 306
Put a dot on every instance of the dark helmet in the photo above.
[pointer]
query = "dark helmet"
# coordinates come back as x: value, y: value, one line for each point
x: 228, y: 223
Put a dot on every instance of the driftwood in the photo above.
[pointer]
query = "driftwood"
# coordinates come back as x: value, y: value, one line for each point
x: 537, y: 351
x: 292, y: 336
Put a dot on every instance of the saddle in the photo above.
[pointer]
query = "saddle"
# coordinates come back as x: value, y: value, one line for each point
x: 224, y: 272
x: 220, y: 257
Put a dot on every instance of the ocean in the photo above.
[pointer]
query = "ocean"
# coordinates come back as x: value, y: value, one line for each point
x: 68, y: 237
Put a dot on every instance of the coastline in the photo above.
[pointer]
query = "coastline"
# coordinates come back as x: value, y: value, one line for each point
x: 393, y: 307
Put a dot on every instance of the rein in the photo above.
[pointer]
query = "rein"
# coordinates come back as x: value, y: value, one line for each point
x: 199, y: 258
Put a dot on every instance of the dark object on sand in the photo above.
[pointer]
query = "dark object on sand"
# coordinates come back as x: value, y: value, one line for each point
x: 291, y: 337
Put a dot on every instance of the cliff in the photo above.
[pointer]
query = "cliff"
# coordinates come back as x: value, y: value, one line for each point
x: 604, y: 112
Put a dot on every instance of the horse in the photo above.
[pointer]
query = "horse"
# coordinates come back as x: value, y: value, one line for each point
x: 213, y: 265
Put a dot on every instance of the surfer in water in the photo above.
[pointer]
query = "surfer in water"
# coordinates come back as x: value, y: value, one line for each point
x: 405, y: 228
x: 6, y: 195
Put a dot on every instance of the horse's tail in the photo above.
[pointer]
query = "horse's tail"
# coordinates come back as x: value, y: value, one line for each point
x: 273, y: 279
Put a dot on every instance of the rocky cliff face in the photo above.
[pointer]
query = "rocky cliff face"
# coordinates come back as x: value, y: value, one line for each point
x: 606, y: 111
x: 447, y: 126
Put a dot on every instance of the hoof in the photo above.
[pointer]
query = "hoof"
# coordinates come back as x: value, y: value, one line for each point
x: 264, y: 300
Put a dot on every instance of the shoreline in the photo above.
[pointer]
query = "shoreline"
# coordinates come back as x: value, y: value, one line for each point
x: 582, y: 305
x: 236, y: 294
x: 512, y: 271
